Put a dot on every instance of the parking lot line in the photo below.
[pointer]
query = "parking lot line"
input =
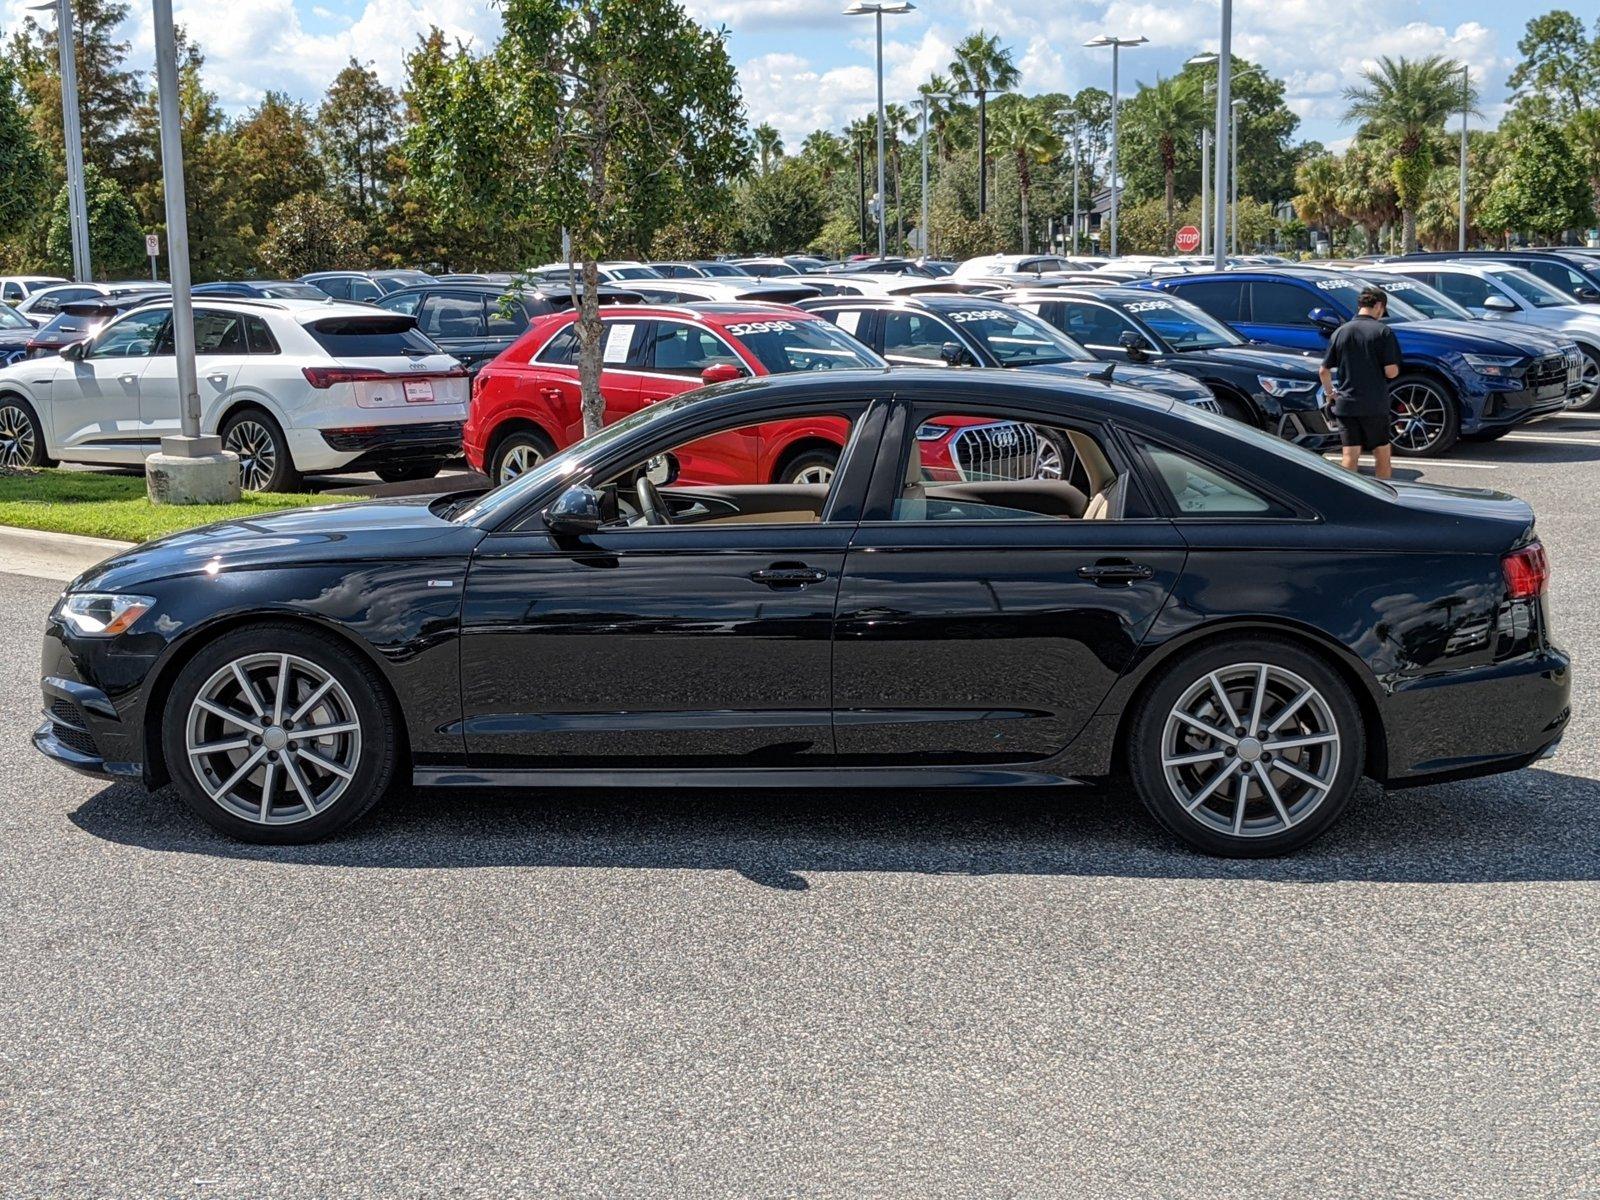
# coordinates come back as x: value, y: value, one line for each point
x: 1558, y: 439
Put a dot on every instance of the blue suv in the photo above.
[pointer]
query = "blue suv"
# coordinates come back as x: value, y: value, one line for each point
x: 1457, y: 378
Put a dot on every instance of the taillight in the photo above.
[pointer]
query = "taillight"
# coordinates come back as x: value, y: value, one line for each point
x: 326, y: 377
x: 1527, y: 571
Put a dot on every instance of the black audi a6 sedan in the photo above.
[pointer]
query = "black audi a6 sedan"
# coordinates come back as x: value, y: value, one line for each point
x: 1241, y: 627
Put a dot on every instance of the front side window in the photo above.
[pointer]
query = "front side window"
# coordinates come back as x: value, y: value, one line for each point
x: 11, y: 319
x: 782, y: 346
x: 452, y: 315
x: 1466, y: 290
x: 1558, y: 275
x: 218, y: 333
x: 365, y: 291
x: 406, y: 304
x: 1183, y: 326
x: 1015, y: 338
x: 678, y: 348
x: 1094, y: 324
x: 914, y: 339
x: 12, y: 292
x: 1281, y: 304
x: 135, y: 336
x: 1221, y: 299
x: 1532, y: 289
x: 337, y: 286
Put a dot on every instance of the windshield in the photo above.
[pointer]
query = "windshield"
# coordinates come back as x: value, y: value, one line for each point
x: 1016, y: 338
x: 785, y: 346
x: 510, y: 496
x: 1531, y: 288
x: 11, y: 319
x: 1349, y: 295
x: 1181, y: 325
x: 1429, y: 301
x: 723, y: 269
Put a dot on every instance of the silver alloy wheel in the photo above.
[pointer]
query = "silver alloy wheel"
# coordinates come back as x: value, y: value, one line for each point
x: 1250, y: 750
x: 1047, y: 459
x: 1588, y: 386
x: 258, y: 457
x: 16, y: 437
x: 1418, y: 414
x: 814, y: 474
x: 273, y: 738
x: 519, y: 460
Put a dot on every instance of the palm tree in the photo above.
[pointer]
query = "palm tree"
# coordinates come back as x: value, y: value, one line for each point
x: 826, y: 151
x: 1026, y: 134
x: 1404, y: 104
x: 1173, y: 109
x: 1317, y: 200
x: 769, y: 146
x: 896, y: 117
x: 981, y: 65
x: 941, y: 115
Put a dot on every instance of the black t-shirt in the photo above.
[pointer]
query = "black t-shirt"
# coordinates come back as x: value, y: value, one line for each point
x: 1358, y: 352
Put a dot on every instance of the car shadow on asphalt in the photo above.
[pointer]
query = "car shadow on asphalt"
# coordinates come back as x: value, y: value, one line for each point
x: 1536, y: 825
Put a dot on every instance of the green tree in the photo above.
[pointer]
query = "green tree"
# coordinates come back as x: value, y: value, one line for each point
x: 23, y: 167
x: 1403, y: 105
x: 1317, y: 201
x: 357, y: 125
x: 1026, y: 134
x: 311, y: 233
x: 108, y: 92
x: 1541, y: 189
x: 827, y: 152
x: 981, y: 67
x: 942, y: 113
x: 1171, y: 111
x: 116, y: 243
x: 276, y: 158
x: 782, y: 210
x: 769, y: 146
x: 1560, y: 64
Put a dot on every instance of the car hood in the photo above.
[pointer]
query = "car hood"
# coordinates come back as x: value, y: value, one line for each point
x: 1258, y: 358
x: 1490, y: 337
x: 383, y: 529
x: 1155, y: 379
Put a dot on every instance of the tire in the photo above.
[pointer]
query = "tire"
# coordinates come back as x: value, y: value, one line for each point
x: 517, y: 453
x: 408, y: 472
x: 1426, y: 420
x: 264, y: 461
x: 211, y: 784
x: 1238, y: 409
x: 21, y: 436
x: 1211, y: 815
x: 813, y: 466
x: 1591, y: 380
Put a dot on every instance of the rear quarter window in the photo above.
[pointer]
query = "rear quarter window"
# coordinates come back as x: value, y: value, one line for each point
x: 370, y: 337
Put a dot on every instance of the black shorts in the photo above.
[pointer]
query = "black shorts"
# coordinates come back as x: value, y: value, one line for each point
x: 1366, y: 432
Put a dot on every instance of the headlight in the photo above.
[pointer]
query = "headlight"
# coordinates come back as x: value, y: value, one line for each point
x: 102, y: 614
x: 1495, y: 366
x: 1274, y: 386
x: 931, y: 432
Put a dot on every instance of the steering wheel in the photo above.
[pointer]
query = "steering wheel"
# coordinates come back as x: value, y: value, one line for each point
x: 652, y: 507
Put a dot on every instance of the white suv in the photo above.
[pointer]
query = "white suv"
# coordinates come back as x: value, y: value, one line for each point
x: 293, y: 386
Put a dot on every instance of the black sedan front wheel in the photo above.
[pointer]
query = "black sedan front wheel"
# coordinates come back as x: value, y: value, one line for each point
x: 1247, y: 748
x: 279, y: 734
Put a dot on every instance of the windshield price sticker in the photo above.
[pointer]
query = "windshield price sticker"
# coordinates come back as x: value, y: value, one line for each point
x: 1139, y: 306
x: 1333, y: 285
x: 760, y: 327
x: 977, y: 314
x: 618, y: 339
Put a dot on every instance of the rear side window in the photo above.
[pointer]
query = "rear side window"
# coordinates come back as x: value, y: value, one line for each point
x: 1280, y: 304
x: 336, y: 286
x: 679, y: 349
x: 13, y: 291
x: 452, y: 315
x: 369, y: 337
x: 561, y: 350
x: 258, y: 338
x: 1220, y: 299
x: 1199, y: 490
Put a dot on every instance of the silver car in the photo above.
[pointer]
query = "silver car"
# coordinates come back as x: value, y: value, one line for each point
x: 1496, y: 291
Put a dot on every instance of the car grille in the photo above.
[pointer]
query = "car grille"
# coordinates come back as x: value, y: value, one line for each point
x: 1548, y: 371
x: 67, y: 726
x: 994, y: 451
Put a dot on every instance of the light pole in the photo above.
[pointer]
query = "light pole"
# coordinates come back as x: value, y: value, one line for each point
x: 72, y: 132
x: 190, y: 468
x: 876, y: 8
x: 1077, y: 125
x: 1233, y: 172
x: 1208, y: 238
x: 1116, y: 44
x: 1219, y: 226
x: 927, y: 98
x: 1466, y: 106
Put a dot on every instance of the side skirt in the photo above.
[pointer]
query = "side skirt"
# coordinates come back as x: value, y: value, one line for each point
x: 741, y: 777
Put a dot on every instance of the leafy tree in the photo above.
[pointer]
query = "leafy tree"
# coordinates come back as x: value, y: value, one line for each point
x: 769, y: 146
x: 1560, y: 64
x: 1025, y: 133
x: 982, y: 66
x: 311, y: 233
x: 943, y: 128
x: 690, y: 237
x: 827, y: 152
x: 116, y: 243
x: 1170, y: 112
x: 276, y: 158
x: 1403, y: 104
x: 108, y: 92
x: 781, y: 210
x: 1317, y: 201
x: 22, y: 166
x: 357, y: 125
x: 1541, y: 189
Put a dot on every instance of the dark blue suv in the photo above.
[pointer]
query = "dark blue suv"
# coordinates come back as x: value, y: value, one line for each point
x: 1456, y: 377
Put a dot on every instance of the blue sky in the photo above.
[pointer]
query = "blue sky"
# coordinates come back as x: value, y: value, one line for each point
x: 804, y: 65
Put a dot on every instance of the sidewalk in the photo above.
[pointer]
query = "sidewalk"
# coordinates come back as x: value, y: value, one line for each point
x: 58, y: 556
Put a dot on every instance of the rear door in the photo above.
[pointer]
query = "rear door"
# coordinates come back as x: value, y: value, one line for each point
x: 220, y: 350
x: 1280, y: 314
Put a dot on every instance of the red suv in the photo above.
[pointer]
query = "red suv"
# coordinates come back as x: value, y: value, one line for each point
x: 526, y: 403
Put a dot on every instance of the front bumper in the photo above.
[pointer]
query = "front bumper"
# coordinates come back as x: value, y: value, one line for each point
x: 83, y: 730
x: 1313, y: 428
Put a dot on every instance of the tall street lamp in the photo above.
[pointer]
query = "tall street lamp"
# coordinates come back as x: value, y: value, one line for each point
x: 1219, y: 227
x: 1466, y: 107
x: 1077, y: 125
x: 1233, y: 172
x: 1116, y: 44
x: 876, y: 9
x: 1206, y: 239
x: 926, y: 99
x: 72, y: 131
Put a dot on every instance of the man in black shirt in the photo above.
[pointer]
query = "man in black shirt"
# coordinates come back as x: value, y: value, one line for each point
x: 1366, y: 355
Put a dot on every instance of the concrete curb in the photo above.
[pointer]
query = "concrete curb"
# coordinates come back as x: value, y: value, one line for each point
x: 58, y: 556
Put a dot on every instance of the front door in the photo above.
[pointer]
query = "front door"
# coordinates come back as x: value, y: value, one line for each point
x: 985, y: 612
x: 95, y: 399
x: 703, y: 642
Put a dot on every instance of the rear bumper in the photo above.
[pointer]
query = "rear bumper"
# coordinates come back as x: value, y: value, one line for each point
x: 359, y: 448
x: 1479, y: 721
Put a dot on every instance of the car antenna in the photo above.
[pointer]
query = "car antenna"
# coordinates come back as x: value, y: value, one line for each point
x: 1106, y: 375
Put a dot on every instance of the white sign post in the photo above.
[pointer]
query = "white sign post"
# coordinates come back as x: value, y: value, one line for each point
x: 152, y: 247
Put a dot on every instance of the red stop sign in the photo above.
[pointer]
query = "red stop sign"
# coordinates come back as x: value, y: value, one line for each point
x: 1188, y: 240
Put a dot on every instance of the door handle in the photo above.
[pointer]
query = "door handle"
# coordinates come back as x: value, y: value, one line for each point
x: 794, y: 575
x: 127, y: 378
x: 217, y: 378
x: 550, y: 393
x: 1109, y: 571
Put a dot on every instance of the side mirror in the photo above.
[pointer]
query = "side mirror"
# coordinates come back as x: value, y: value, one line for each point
x: 1325, y: 319
x: 1587, y: 294
x: 575, y: 513
x: 1498, y: 303
x: 75, y: 351
x: 662, y: 470
x: 954, y: 354
x: 1133, y: 342
x: 721, y: 373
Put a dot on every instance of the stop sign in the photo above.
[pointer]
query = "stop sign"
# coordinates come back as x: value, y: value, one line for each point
x: 1188, y: 240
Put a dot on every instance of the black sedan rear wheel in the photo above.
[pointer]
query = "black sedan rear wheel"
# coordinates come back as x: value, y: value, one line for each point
x: 1247, y: 748
x: 279, y: 734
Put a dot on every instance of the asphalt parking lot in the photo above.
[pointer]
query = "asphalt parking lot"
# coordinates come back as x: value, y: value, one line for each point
x: 814, y: 994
